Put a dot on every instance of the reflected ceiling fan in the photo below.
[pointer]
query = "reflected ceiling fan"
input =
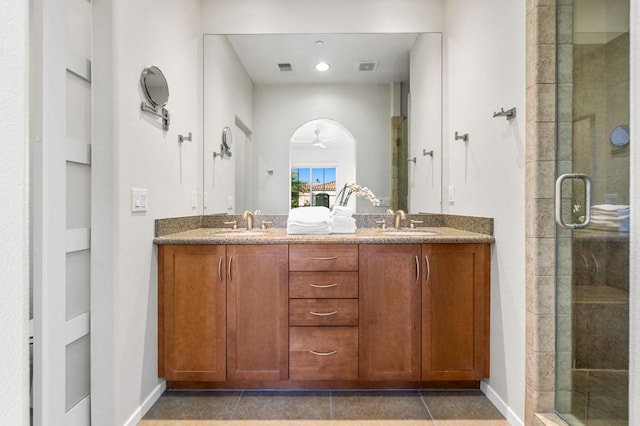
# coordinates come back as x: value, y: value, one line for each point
x: 316, y: 141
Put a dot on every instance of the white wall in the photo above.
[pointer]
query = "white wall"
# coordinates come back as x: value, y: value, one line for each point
x: 228, y: 93
x: 364, y: 109
x: 132, y: 150
x: 425, y: 124
x: 304, y: 16
x: 14, y: 245
x: 485, y: 71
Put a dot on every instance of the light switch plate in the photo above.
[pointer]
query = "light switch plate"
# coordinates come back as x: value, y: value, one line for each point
x: 138, y: 200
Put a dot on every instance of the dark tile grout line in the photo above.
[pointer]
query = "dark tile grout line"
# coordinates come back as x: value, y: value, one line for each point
x: 331, y: 405
x: 235, y: 407
x: 427, y: 407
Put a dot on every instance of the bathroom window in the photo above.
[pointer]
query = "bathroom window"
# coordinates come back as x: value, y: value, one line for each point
x: 313, y: 186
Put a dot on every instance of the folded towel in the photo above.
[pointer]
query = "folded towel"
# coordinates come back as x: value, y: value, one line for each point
x: 609, y: 207
x: 308, y: 230
x: 341, y: 211
x: 315, y: 214
x: 343, y: 225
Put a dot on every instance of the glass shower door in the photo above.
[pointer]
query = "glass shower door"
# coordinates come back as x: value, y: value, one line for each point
x: 592, y: 276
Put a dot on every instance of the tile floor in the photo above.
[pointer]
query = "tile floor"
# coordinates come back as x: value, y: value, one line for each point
x: 310, y: 408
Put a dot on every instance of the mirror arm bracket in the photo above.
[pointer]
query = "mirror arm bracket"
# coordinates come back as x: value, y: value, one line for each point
x: 166, y: 118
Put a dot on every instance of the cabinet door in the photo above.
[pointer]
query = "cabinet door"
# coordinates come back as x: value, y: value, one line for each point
x: 390, y: 287
x: 191, y: 300
x: 455, y: 312
x: 257, y: 303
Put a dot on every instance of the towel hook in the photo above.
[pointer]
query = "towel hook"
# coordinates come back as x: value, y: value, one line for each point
x: 182, y: 138
x: 464, y: 137
x: 510, y: 113
x: 425, y: 153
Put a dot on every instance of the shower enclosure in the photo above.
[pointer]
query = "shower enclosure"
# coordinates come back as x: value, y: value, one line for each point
x: 592, y: 276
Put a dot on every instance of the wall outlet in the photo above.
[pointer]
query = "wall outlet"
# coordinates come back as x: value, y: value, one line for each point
x: 205, y: 202
x: 138, y: 200
x: 194, y: 199
x: 385, y: 201
x: 230, y: 202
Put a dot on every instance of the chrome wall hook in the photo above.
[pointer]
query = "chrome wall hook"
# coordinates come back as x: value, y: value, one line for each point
x: 464, y: 137
x: 425, y: 153
x: 412, y: 160
x: 510, y: 113
x: 182, y: 138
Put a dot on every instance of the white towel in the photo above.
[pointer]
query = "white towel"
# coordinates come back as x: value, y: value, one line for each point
x: 613, y: 208
x: 343, y: 225
x: 342, y: 211
x: 309, y: 220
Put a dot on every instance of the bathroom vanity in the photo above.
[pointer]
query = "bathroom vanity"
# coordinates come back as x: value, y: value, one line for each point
x: 373, y: 309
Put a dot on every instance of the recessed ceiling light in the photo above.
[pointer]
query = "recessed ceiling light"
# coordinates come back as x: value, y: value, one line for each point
x: 319, y: 43
x: 322, y: 66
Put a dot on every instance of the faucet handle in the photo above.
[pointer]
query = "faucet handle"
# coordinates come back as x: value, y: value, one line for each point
x: 382, y: 223
x: 233, y: 223
x: 265, y: 224
x: 414, y: 222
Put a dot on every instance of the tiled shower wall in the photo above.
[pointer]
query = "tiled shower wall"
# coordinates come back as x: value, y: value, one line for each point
x: 540, y: 227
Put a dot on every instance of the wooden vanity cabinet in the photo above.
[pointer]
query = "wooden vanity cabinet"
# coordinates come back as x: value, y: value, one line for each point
x: 455, y: 312
x: 192, y: 312
x: 390, y: 291
x: 257, y: 312
x: 223, y: 313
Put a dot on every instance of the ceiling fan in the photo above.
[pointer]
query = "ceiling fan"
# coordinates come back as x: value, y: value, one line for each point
x: 316, y: 141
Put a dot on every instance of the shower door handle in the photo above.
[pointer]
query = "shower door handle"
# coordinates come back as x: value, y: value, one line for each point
x: 587, y: 191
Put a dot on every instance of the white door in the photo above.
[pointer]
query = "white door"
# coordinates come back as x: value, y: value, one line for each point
x: 60, y: 113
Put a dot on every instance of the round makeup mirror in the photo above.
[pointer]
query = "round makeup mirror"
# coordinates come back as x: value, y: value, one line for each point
x: 620, y: 135
x: 155, y: 86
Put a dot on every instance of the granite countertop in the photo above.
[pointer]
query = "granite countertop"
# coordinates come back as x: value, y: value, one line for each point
x: 362, y: 236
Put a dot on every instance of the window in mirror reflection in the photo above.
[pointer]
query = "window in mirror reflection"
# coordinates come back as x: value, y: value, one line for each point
x: 313, y: 186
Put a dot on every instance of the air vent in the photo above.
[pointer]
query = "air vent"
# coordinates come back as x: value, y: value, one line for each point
x: 367, y: 66
x: 285, y: 67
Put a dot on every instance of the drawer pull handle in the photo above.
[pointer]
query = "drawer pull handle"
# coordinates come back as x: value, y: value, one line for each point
x: 323, y: 353
x: 323, y: 314
x: 323, y: 285
x: 324, y: 258
x: 220, y: 269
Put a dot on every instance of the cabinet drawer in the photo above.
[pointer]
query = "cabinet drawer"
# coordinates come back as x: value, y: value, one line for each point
x: 323, y: 353
x: 331, y: 312
x: 319, y: 285
x: 323, y: 257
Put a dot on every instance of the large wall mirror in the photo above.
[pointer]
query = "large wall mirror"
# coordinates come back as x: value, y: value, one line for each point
x: 382, y: 90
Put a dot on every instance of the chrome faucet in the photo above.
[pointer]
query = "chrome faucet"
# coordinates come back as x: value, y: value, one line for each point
x: 248, y: 217
x: 398, y: 216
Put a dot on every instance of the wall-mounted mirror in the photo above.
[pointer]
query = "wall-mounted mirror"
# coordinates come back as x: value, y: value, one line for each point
x: 156, y: 90
x: 384, y: 89
x: 620, y: 135
x: 155, y: 86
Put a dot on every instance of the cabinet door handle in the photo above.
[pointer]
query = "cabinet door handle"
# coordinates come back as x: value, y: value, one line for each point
x: 426, y: 257
x: 323, y: 314
x: 417, y: 269
x: 323, y: 353
x: 323, y: 285
x: 220, y: 269
x: 324, y: 258
x: 229, y: 268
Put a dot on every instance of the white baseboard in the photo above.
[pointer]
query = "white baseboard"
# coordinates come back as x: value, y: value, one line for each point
x: 146, y: 405
x: 502, y: 406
